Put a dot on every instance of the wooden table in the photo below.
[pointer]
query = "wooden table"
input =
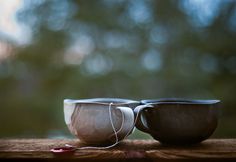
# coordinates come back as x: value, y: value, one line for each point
x: 141, y: 150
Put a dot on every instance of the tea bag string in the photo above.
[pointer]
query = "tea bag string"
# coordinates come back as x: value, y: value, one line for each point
x: 114, y: 130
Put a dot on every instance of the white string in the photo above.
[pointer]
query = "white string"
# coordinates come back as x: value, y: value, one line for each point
x: 114, y: 130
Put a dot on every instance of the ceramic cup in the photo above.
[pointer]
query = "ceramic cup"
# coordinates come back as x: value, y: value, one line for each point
x: 178, y: 121
x: 90, y: 119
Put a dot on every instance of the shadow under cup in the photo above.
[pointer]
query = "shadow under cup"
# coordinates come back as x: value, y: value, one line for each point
x: 179, y: 121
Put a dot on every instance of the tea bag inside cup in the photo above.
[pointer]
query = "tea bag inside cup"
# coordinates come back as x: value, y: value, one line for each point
x: 91, y: 123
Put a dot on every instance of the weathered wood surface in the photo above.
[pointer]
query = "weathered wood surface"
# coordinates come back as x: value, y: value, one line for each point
x: 217, y: 149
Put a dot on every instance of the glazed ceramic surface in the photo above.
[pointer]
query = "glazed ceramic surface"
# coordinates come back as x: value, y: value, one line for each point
x: 90, y: 120
x: 179, y: 121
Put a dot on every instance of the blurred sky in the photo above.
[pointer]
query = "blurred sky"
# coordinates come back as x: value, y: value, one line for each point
x: 201, y: 14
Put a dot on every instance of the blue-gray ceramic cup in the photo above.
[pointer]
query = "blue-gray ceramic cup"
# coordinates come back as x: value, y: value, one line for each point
x: 100, y: 121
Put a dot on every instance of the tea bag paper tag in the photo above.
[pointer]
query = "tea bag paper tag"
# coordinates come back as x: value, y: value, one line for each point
x: 68, y: 111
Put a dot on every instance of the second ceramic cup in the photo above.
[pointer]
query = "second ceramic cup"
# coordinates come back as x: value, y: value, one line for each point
x: 178, y: 121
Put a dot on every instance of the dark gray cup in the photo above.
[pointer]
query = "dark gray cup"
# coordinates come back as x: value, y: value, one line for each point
x: 178, y: 121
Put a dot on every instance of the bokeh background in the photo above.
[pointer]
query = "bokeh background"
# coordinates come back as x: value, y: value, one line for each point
x: 137, y: 49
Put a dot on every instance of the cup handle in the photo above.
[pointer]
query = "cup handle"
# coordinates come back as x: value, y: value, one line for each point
x: 139, y: 123
x: 128, y: 121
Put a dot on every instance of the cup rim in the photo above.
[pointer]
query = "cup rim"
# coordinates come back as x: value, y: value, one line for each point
x: 102, y: 101
x: 180, y: 101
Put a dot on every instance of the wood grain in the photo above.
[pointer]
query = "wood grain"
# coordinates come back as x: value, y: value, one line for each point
x: 217, y: 149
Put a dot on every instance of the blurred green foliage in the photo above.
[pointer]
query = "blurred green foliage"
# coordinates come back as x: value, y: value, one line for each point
x: 128, y: 49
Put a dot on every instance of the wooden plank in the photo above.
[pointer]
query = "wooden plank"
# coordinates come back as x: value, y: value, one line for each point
x: 128, y: 149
